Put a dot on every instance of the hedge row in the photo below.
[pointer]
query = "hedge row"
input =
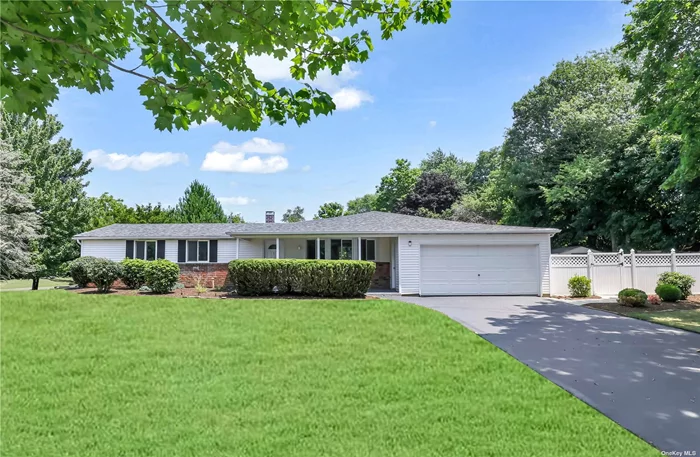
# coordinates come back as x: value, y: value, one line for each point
x: 160, y: 276
x: 317, y: 278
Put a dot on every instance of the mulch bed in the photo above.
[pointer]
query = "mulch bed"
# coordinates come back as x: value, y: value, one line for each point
x: 693, y: 302
x: 190, y: 292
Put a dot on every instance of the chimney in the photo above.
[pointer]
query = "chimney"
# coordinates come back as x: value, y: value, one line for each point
x: 269, y: 217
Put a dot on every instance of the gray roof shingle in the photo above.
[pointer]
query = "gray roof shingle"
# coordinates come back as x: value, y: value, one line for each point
x: 373, y: 222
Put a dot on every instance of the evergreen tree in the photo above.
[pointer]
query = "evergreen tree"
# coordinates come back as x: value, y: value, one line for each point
x: 19, y: 223
x: 199, y: 205
x: 57, y: 188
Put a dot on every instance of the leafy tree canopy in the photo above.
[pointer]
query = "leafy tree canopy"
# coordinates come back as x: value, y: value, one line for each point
x: 396, y: 185
x: 458, y: 169
x: 434, y: 191
x: 294, y: 215
x: 192, y: 56
x: 328, y: 210
x: 362, y: 204
x: 665, y: 37
x: 199, y: 205
x: 235, y: 219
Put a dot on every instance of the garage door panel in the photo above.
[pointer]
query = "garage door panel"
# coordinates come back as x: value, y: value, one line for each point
x: 479, y: 270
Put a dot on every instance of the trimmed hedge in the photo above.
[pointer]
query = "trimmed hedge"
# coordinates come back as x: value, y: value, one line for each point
x: 103, y: 273
x: 316, y: 278
x: 669, y: 292
x: 683, y: 282
x: 133, y: 273
x: 78, y: 270
x: 579, y: 286
x: 632, y: 297
x: 162, y: 275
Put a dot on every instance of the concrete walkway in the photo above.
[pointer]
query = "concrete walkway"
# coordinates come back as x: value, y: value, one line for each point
x: 644, y: 376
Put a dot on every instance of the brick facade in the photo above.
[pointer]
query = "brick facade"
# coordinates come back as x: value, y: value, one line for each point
x: 208, y: 274
x: 382, y: 276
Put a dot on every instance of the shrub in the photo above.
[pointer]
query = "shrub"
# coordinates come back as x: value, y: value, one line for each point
x: 669, y: 292
x: 162, y: 275
x: 318, y: 278
x: 683, y: 282
x: 103, y: 273
x: 653, y: 299
x: 579, y: 286
x: 133, y: 273
x: 632, y: 297
x: 78, y: 270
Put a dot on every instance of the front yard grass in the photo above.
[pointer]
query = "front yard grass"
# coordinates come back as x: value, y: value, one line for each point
x: 12, y: 284
x: 685, y: 319
x: 114, y: 375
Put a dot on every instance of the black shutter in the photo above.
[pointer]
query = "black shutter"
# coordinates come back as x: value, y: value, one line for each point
x: 129, y: 249
x: 181, y: 249
x: 213, y: 250
x: 140, y: 249
x: 161, y: 249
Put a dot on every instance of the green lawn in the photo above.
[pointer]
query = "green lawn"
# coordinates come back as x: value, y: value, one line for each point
x: 86, y: 375
x: 27, y: 283
x: 686, y: 319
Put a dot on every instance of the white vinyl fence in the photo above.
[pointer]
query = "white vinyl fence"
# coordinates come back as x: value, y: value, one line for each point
x: 611, y: 272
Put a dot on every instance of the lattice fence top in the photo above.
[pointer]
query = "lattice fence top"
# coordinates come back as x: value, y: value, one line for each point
x: 569, y: 261
x: 627, y: 259
x: 649, y: 260
x: 688, y: 259
x: 606, y: 258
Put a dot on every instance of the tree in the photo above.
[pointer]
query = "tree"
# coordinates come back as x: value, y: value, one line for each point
x: 459, y: 170
x: 235, y: 219
x: 396, y: 185
x: 435, y: 192
x: 665, y: 38
x: 193, y: 56
x: 153, y: 214
x: 19, y: 222
x: 486, y: 162
x: 199, y: 205
x: 362, y: 204
x: 57, y: 188
x: 328, y: 210
x: 106, y: 210
x: 294, y: 215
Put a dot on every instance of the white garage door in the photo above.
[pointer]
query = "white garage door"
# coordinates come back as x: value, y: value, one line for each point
x: 479, y: 270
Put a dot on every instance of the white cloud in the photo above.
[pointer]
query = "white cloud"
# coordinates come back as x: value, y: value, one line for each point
x: 267, y: 68
x: 141, y: 162
x: 237, y: 162
x: 306, y: 168
x: 254, y: 146
x: 236, y: 201
x: 432, y: 123
x: 349, y: 98
x: 209, y: 121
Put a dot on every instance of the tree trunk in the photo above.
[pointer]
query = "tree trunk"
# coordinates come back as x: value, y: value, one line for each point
x: 35, y: 283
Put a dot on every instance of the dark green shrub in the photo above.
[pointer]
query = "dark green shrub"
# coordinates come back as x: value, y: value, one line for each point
x: 103, y: 273
x: 632, y: 297
x: 579, y: 286
x: 683, y: 282
x: 133, y: 273
x: 78, y: 270
x: 669, y: 292
x: 318, y: 278
x: 162, y: 275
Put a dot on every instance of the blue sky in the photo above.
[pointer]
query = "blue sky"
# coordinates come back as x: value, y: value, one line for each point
x: 449, y: 86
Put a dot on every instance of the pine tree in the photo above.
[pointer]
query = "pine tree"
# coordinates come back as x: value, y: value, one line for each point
x: 199, y: 205
x: 57, y: 187
x: 19, y: 223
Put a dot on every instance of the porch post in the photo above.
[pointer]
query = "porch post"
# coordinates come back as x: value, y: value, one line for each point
x: 359, y: 248
x: 318, y: 248
x: 238, y: 248
x: 277, y: 249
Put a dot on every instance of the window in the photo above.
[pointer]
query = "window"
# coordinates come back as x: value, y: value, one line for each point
x: 368, y: 250
x: 145, y: 250
x: 311, y: 249
x: 198, y: 251
x: 341, y: 249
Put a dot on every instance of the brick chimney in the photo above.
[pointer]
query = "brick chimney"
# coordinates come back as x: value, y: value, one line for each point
x: 269, y: 217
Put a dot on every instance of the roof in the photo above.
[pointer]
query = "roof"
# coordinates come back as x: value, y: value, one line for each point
x: 572, y: 250
x: 373, y: 222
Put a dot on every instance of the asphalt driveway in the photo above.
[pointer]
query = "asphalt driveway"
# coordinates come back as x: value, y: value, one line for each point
x: 644, y: 376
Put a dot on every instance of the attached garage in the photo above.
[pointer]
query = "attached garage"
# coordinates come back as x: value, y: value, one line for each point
x: 479, y: 270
